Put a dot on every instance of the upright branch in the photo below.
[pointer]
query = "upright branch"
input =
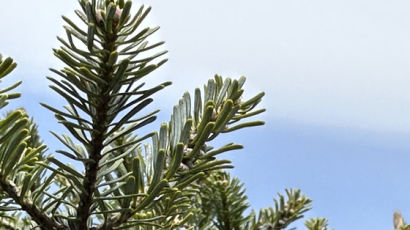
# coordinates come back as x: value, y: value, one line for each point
x: 99, y: 82
x: 316, y: 224
x: 221, y: 203
x: 285, y: 211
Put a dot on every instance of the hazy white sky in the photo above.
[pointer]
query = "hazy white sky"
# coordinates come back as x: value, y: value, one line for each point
x: 334, y: 71
x: 338, y: 63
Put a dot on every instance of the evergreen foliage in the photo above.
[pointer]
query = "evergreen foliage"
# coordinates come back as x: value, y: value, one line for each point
x: 317, y: 224
x: 221, y: 204
x: 166, y: 179
x: 398, y: 222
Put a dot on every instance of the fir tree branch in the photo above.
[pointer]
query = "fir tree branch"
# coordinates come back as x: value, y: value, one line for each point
x: 110, y: 84
x: 316, y: 224
x: 97, y: 140
x: 27, y: 205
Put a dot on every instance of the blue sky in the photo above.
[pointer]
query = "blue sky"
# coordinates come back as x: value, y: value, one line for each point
x: 336, y: 76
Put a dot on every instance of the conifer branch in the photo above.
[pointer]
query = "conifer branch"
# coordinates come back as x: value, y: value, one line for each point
x: 316, y: 224
x: 27, y: 205
x: 99, y: 128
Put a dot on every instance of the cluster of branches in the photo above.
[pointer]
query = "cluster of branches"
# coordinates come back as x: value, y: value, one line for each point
x: 123, y: 180
x: 221, y: 204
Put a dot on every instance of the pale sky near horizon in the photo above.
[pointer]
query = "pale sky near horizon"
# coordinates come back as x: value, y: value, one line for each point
x: 336, y: 76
